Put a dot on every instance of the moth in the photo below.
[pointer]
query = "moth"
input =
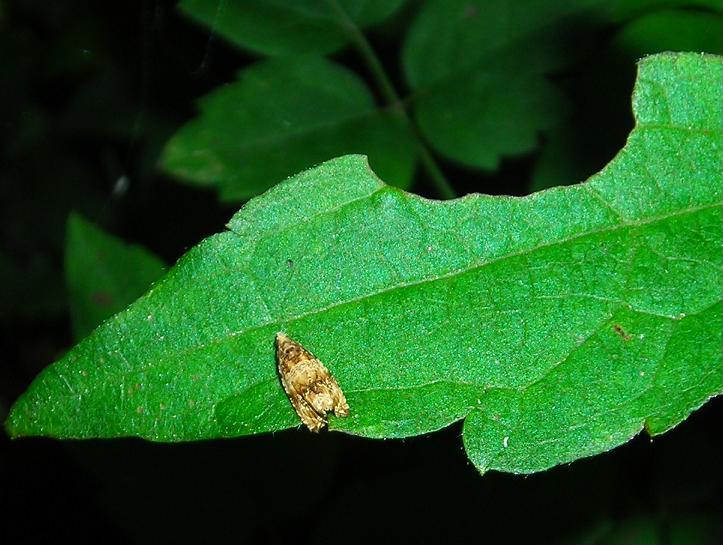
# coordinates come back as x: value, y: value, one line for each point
x: 311, y: 388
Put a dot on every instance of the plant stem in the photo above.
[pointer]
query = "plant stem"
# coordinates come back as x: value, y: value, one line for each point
x: 392, y: 98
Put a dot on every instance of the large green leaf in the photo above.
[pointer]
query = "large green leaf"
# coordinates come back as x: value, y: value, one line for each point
x: 288, y: 27
x: 557, y: 325
x: 282, y: 116
x: 103, y: 274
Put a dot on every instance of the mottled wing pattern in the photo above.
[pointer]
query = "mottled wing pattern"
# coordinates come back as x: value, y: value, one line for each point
x: 311, y: 388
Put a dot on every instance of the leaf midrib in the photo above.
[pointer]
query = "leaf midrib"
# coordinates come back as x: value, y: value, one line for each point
x: 522, y: 390
x: 478, y: 265
x: 164, y: 361
x: 585, y: 420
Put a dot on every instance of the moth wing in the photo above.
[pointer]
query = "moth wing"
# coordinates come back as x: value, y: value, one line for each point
x: 309, y: 417
x: 340, y: 406
x: 313, y: 420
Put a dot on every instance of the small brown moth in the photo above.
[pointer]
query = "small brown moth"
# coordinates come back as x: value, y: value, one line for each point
x: 311, y: 388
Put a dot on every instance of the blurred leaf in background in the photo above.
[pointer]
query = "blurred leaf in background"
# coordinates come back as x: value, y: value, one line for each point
x: 281, y: 116
x: 103, y: 274
x: 289, y: 27
x: 683, y: 528
x: 53, y: 161
x: 484, y: 81
x: 477, y: 71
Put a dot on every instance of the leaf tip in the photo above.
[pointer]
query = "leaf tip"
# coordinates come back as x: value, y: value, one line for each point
x: 12, y: 429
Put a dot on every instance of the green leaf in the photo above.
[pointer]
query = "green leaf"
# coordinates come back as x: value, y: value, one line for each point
x: 671, y: 30
x: 282, y: 116
x: 477, y: 118
x: 557, y: 325
x: 450, y: 37
x: 478, y: 69
x: 288, y: 27
x: 103, y: 274
x: 634, y: 8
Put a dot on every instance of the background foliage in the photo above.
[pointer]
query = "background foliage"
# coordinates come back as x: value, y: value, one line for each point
x: 99, y: 94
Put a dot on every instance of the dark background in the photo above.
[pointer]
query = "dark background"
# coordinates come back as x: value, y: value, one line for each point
x: 90, y: 92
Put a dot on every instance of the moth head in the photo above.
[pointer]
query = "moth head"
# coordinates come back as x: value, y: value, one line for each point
x: 286, y: 346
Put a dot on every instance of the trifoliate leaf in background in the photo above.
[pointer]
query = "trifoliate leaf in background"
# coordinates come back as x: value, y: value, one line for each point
x: 288, y: 27
x: 556, y: 325
x: 282, y: 116
x: 103, y: 273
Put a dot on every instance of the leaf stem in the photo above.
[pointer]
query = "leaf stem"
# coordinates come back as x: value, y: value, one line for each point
x: 390, y: 95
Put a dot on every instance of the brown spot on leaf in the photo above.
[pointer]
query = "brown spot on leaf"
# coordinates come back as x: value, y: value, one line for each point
x: 101, y: 298
x: 620, y: 331
x: 471, y: 11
